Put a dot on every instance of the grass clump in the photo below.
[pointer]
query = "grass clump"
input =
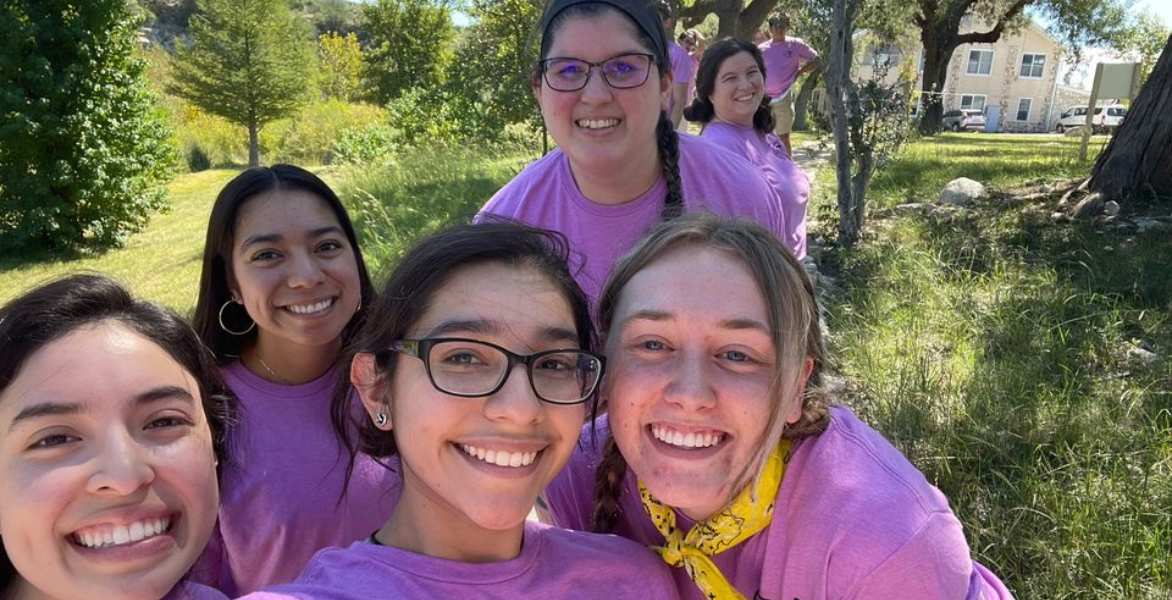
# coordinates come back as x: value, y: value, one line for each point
x: 997, y: 349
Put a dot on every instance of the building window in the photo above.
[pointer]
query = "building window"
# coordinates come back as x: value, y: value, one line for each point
x: 884, y: 56
x: 1032, y: 66
x: 980, y: 62
x: 972, y: 102
x: 1023, y: 109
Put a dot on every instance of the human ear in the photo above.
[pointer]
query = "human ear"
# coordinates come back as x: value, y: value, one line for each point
x: 371, y: 389
x: 665, y: 90
x: 795, y: 413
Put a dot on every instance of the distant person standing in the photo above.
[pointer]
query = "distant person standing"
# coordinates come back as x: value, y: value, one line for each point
x: 682, y: 68
x: 786, y: 58
x: 693, y: 41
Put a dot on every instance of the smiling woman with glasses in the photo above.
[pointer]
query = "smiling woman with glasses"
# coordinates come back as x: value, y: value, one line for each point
x: 603, y: 83
x: 476, y: 370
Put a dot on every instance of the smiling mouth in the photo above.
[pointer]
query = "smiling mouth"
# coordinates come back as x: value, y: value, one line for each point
x: 500, y: 458
x: 309, y: 309
x: 121, y: 535
x: 597, y: 123
x: 691, y: 440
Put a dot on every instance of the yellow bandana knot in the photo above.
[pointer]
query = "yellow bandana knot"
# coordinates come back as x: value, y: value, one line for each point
x: 748, y: 513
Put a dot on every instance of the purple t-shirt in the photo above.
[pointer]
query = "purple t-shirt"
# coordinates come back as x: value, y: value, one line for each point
x: 782, y: 63
x: 186, y: 590
x: 854, y: 519
x: 683, y: 70
x: 712, y: 179
x: 768, y: 154
x: 554, y: 563
x: 279, y: 492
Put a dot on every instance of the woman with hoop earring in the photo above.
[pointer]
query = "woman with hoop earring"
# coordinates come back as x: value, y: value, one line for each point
x: 282, y: 288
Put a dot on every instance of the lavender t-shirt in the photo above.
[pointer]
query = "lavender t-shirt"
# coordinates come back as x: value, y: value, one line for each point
x: 782, y: 63
x: 713, y: 180
x: 768, y: 154
x: 554, y: 563
x: 280, y: 489
x: 853, y: 519
x: 683, y: 70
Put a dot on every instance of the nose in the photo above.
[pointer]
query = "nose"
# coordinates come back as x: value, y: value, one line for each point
x: 596, y: 88
x: 515, y: 401
x: 690, y: 386
x: 121, y: 466
x: 304, y: 271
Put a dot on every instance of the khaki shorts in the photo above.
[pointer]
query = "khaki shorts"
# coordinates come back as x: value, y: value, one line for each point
x: 783, y: 114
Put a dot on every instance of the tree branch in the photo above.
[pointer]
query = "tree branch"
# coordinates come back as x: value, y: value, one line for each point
x: 991, y: 36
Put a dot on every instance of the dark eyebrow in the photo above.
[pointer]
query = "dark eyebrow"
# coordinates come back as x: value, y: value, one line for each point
x: 478, y: 326
x: 52, y: 409
x: 44, y: 409
x: 738, y: 323
x: 268, y: 238
x: 164, y: 392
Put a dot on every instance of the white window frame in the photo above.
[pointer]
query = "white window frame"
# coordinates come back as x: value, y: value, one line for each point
x: 1033, y: 65
x: 1029, y: 108
x: 971, y: 98
x: 969, y: 63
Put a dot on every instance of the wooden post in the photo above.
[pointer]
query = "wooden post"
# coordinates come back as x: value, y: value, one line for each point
x: 1090, y: 121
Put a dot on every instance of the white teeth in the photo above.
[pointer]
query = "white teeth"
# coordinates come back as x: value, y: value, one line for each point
x: 690, y: 440
x: 500, y: 458
x: 309, y: 309
x: 597, y: 123
x: 119, y: 535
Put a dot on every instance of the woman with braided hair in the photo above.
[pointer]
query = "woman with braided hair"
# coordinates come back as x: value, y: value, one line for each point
x: 722, y: 453
x: 602, y: 83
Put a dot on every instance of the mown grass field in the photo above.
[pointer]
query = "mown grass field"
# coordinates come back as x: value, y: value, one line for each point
x: 995, y: 347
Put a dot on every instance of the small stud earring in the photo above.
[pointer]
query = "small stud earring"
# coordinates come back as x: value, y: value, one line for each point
x: 380, y: 419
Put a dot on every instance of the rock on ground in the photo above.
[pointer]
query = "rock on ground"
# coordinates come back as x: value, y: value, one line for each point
x: 962, y: 191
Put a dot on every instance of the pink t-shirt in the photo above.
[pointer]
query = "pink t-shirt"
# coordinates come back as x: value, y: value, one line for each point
x: 853, y: 519
x: 782, y: 63
x: 713, y: 179
x: 768, y: 154
x: 280, y: 489
x: 682, y: 71
x: 554, y: 563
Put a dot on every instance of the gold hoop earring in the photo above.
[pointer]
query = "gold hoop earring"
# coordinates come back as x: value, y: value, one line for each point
x: 225, y: 327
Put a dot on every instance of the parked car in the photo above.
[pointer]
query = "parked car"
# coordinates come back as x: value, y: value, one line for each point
x: 965, y: 118
x: 1106, y: 118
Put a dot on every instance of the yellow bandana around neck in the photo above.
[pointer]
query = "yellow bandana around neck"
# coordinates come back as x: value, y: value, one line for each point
x: 748, y: 513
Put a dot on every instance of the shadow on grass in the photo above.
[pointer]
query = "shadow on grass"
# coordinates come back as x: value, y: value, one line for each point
x: 1062, y: 437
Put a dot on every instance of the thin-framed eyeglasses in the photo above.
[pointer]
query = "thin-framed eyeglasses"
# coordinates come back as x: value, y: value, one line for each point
x: 472, y: 368
x: 621, y: 72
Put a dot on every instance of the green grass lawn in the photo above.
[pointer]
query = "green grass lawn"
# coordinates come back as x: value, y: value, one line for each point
x: 996, y: 349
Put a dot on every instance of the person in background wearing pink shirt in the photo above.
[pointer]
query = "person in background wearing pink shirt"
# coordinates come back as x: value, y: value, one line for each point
x: 732, y: 107
x: 602, y: 83
x: 720, y: 451
x: 477, y: 368
x: 682, y: 68
x: 786, y: 59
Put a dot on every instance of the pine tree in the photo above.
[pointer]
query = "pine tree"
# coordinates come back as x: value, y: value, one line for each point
x: 84, y: 154
x: 249, y: 61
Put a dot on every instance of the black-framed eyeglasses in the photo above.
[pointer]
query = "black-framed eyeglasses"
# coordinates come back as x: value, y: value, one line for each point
x: 472, y: 369
x: 620, y: 72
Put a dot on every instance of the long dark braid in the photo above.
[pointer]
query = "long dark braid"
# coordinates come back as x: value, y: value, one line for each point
x: 608, y: 485
x: 669, y: 158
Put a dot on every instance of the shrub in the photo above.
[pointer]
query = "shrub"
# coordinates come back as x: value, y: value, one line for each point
x: 84, y: 152
x: 371, y: 145
x: 197, y: 159
x: 309, y: 137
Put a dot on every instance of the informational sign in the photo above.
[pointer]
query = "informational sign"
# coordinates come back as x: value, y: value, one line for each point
x: 1112, y: 80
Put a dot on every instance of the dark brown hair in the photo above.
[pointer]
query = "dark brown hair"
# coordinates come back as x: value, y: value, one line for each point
x: 701, y: 110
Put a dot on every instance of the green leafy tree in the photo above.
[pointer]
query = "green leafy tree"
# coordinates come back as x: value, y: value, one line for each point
x: 84, y: 156
x: 341, y: 65
x: 410, y: 45
x: 248, y: 62
x: 496, y: 60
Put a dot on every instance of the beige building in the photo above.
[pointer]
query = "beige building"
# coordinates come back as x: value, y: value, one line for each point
x: 1014, y: 81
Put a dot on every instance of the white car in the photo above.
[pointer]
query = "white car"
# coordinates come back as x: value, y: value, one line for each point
x: 1106, y: 118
